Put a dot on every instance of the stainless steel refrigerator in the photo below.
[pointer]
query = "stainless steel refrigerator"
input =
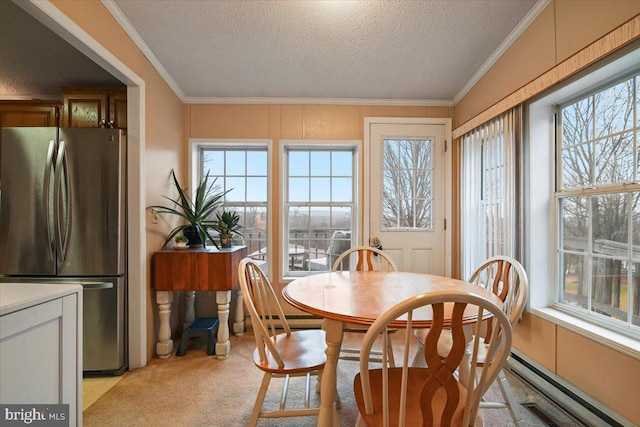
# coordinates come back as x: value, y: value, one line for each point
x: 63, y: 220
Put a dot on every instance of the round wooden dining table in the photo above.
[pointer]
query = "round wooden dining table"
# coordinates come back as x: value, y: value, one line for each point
x: 361, y: 297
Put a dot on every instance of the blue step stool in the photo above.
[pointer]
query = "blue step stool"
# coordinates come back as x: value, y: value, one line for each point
x: 204, y: 327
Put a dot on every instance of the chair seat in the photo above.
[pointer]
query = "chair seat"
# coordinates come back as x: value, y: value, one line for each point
x: 418, y: 377
x: 302, y: 351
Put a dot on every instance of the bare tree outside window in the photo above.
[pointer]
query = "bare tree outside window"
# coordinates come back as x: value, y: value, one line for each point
x: 408, y: 183
x: 598, y: 198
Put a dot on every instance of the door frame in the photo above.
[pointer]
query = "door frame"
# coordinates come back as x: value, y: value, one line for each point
x: 137, y: 294
x: 447, y: 122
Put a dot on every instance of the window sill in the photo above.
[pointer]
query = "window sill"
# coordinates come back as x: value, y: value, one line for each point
x: 606, y: 337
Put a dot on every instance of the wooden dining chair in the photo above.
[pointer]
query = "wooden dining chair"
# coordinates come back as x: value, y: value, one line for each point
x: 505, y: 277
x: 279, y: 352
x: 363, y: 258
x: 433, y: 395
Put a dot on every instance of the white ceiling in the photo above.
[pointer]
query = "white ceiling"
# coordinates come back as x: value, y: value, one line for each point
x: 426, y: 52
x: 401, y: 51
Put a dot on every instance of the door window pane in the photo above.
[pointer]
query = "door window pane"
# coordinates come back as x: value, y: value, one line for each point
x: 407, y: 180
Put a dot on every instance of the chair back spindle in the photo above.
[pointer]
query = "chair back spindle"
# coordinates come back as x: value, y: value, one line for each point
x: 367, y: 258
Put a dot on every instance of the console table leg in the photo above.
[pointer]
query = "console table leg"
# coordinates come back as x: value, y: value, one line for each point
x: 164, y: 347
x: 223, y: 299
x: 238, y: 321
x: 189, y: 311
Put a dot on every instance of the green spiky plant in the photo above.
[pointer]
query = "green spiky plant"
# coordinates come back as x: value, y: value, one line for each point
x: 195, y: 212
x: 226, y: 226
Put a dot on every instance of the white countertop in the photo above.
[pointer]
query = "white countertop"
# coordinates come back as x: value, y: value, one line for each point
x: 16, y: 296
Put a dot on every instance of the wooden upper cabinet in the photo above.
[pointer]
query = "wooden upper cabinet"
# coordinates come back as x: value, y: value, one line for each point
x: 29, y: 114
x: 94, y: 107
x: 118, y: 108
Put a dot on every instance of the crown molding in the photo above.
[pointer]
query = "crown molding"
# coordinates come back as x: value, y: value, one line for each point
x: 511, y: 38
x: 333, y: 101
x: 143, y: 46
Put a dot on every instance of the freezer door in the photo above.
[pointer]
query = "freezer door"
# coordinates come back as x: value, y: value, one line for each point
x: 91, y: 222
x: 26, y: 232
x: 104, y: 327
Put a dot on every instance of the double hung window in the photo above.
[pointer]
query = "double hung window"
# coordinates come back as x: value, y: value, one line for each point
x: 319, y: 204
x: 597, y: 202
x: 243, y: 170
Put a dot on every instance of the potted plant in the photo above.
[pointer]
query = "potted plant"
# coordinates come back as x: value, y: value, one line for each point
x: 181, y: 241
x: 227, y: 226
x: 194, y: 211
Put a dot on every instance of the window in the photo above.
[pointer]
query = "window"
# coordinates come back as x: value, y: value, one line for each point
x: 242, y: 169
x: 581, y: 213
x: 597, y: 201
x: 319, y: 181
x: 489, y: 197
x: 407, y: 169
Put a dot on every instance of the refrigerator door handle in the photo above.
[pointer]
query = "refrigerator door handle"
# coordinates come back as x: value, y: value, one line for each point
x: 96, y: 285
x: 62, y: 171
x: 46, y: 195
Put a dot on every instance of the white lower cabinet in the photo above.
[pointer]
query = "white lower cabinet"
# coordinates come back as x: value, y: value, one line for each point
x: 41, y: 346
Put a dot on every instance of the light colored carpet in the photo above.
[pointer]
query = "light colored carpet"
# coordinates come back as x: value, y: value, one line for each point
x: 199, y: 390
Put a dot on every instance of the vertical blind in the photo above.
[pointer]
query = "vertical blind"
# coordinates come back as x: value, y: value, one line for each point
x: 489, y: 180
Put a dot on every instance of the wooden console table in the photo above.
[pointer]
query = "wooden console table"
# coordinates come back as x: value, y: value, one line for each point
x: 192, y: 270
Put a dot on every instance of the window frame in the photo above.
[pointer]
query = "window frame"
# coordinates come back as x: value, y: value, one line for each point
x: 195, y: 163
x: 352, y: 145
x: 626, y: 189
x: 541, y: 215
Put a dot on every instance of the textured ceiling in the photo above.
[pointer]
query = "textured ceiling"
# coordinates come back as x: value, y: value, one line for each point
x: 252, y: 51
x: 393, y: 50
x: 35, y: 62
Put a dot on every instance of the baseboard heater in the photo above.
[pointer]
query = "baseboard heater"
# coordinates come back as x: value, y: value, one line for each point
x: 295, y: 321
x: 564, y: 395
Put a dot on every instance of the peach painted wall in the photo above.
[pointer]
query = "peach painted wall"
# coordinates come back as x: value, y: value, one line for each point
x: 164, y: 127
x: 563, y: 28
x: 96, y: 20
x: 275, y: 122
x: 163, y: 152
x: 607, y: 375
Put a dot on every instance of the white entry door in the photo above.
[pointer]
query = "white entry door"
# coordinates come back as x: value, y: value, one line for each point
x: 407, y: 200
